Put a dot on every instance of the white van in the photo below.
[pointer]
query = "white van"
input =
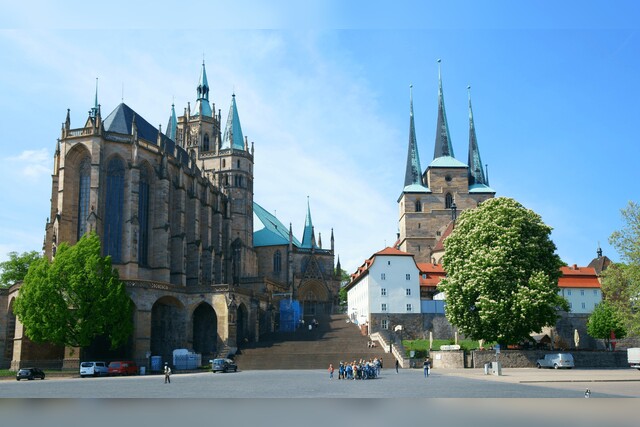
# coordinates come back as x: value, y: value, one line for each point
x: 93, y: 369
x: 556, y: 361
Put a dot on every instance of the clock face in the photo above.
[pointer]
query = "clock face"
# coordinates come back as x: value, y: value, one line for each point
x: 447, y: 178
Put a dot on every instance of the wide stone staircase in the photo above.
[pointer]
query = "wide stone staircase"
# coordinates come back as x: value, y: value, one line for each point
x: 332, y: 341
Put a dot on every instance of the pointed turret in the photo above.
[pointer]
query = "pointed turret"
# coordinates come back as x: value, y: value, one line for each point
x: 172, y: 125
x: 94, y: 110
x: 443, y: 146
x: 476, y: 171
x: 202, y: 103
x: 308, y: 239
x: 413, y: 174
x: 233, y: 137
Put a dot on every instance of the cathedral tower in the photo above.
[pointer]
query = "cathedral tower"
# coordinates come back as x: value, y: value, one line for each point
x: 428, y: 203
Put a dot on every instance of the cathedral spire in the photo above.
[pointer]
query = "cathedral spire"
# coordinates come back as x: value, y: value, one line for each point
x: 94, y: 110
x: 443, y: 140
x: 202, y: 103
x: 413, y: 174
x: 233, y: 137
x: 172, y: 125
x: 308, y: 238
x: 476, y: 171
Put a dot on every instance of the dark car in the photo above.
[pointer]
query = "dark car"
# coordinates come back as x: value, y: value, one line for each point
x: 29, y: 374
x: 223, y: 365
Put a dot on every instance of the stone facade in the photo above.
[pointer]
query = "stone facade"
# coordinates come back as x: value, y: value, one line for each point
x: 175, y: 212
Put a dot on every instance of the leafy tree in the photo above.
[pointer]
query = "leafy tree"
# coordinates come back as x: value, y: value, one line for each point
x: 75, y: 298
x: 342, y: 294
x: 602, y: 321
x: 502, y: 273
x: 621, y: 281
x: 15, y: 268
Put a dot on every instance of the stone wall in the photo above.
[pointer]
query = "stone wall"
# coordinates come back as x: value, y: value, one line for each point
x: 528, y: 358
x: 445, y: 360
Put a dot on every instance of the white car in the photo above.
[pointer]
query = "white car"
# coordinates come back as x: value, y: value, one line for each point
x: 556, y: 361
x: 93, y: 369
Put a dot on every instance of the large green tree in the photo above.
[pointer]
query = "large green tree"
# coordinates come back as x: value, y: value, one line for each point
x: 75, y: 298
x: 621, y: 281
x: 15, y: 268
x: 502, y: 273
x: 602, y: 321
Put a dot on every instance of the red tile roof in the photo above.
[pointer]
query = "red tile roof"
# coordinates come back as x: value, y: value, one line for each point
x: 434, y: 273
x: 578, y: 277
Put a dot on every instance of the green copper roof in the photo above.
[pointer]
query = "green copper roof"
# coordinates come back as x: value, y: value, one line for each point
x: 274, y: 232
x: 476, y: 171
x: 203, y: 95
x: 413, y: 174
x: 172, y: 125
x: 307, y: 236
x: 446, y: 162
x: 443, y: 145
x: 416, y: 188
x: 481, y: 188
x: 233, y: 137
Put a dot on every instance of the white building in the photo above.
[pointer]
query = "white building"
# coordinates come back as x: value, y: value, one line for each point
x: 581, y: 287
x: 388, y: 283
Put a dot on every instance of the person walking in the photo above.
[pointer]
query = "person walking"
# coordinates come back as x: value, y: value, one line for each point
x: 167, y: 374
x: 426, y: 365
x: 397, y: 365
x: 330, y: 371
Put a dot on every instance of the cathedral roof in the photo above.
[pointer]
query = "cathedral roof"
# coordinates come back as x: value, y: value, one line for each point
x: 446, y: 162
x: 203, y: 95
x: 481, y: 188
x: 233, y: 137
x: 274, y: 232
x: 120, y: 120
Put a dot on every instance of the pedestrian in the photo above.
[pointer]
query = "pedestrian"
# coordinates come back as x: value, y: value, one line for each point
x: 426, y: 365
x: 167, y: 374
x: 330, y: 371
x: 397, y: 365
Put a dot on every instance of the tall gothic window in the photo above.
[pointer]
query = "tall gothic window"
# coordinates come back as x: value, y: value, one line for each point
x: 113, y: 210
x: 448, y: 201
x: 143, y: 217
x: 205, y: 143
x: 83, y: 195
x: 277, y: 262
x: 418, y: 206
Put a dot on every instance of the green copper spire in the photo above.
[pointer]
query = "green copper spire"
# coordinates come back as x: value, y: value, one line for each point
x: 233, y: 137
x: 443, y: 140
x: 202, y: 103
x: 413, y: 174
x: 308, y: 240
x: 476, y: 171
x: 172, y: 125
x: 94, y: 109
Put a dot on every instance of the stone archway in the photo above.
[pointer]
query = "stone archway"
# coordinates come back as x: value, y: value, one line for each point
x: 242, y: 325
x: 205, y: 331
x: 168, y: 327
x: 315, y: 298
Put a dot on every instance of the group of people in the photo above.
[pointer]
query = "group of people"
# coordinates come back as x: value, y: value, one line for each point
x: 357, y: 370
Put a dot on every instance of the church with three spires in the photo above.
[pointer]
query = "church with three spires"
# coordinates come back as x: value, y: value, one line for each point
x: 205, y: 266
x: 431, y: 198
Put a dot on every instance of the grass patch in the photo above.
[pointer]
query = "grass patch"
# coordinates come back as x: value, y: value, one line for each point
x: 7, y: 373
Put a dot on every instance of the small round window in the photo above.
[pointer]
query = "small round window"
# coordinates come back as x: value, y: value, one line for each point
x: 447, y: 178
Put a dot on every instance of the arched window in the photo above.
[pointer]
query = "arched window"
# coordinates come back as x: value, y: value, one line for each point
x: 205, y: 143
x: 83, y: 195
x: 418, y: 206
x: 448, y: 201
x: 143, y: 217
x: 113, y: 210
x: 277, y: 262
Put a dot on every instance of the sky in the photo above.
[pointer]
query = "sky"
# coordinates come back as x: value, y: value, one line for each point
x: 322, y: 89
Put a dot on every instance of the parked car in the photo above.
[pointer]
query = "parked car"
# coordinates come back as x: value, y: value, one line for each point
x: 93, y: 369
x: 123, y: 367
x: 633, y: 357
x: 556, y: 361
x: 29, y: 374
x: 223, y: 365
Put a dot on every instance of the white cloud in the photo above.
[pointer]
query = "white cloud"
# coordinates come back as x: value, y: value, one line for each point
x: 32, y: 164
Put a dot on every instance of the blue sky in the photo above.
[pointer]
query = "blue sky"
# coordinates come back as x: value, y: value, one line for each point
x: 322, y: 88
